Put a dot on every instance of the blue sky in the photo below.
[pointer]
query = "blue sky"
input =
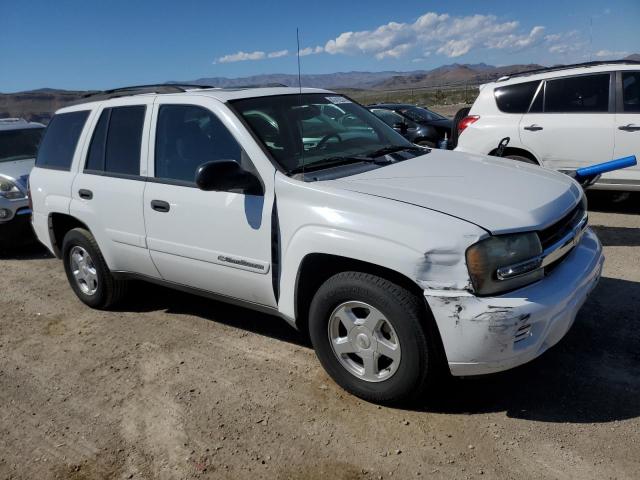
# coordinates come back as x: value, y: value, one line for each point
x: 90, y: 44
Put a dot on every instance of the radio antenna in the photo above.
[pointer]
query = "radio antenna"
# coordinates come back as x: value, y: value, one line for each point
x: 300, y: 98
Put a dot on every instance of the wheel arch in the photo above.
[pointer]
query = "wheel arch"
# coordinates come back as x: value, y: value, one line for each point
x: 517, y: 151
x: 59, y: 225
x: 316, y: 268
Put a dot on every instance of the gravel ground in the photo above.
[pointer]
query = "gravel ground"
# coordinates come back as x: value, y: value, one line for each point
x: 175, y: 386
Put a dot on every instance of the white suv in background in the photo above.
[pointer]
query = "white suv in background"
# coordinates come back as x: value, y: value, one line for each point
x: 562, y: 118
x: 396, y: 259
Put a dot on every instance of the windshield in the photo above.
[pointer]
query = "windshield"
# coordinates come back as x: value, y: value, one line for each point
x: 19, y: 144
x: 419, y: 114
x: 317, y: 129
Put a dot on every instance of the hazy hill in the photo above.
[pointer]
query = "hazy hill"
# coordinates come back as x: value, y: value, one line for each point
x: 322, y: 80
x: 38, y: 105
x: 455, y: 74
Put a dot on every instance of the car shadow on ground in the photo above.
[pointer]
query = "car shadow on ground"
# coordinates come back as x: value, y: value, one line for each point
x: 591, y: 376
x: 613, y: 202
x: 618, y: 236
x: 147, y: 297
x: 31, y: 251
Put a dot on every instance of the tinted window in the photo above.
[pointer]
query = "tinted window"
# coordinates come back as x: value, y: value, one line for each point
x: 60, y: 140
x: 388, y: 117
x: 188, y: 136
x: 515, y: 98
x: 124, y: 139
x: 631, y: 91
x: 19, y: 144
x: 587, y: 93
x: 95, y: 157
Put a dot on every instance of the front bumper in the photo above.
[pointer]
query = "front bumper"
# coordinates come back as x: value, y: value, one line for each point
x: 490, y: 334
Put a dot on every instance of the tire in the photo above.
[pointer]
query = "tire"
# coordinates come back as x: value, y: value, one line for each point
x: 412, y: 330
x: 522, y: 159
x: 426, y: 143
x: 460, y: 114
x: 99, y: 289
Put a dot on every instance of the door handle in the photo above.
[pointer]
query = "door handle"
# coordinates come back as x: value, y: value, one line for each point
x: 533, y: 128
x: 629, y: 127
x: 160, y: 206
x: 86, y: 194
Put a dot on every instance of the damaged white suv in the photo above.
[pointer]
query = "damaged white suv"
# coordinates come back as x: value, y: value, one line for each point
x: 397, y: 260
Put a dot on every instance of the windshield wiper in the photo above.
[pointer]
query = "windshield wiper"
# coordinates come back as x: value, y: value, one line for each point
x: 336, y: 161
x: 395, y: 148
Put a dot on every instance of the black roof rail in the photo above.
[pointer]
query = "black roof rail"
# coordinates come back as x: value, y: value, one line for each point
x: 567, y: 67
x: 152, y: 88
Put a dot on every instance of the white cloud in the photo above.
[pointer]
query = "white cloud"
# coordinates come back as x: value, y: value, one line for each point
x: 311, y: 51
x: 242, y: 57
x: 278, y: 54
x: 448, y: 35
x: 452, y: 36
x: 610, y: 54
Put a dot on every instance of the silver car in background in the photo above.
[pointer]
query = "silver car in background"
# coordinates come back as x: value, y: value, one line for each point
x: 19, y: 142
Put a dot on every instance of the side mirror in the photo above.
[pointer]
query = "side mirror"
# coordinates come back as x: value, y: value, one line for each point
x: 226, y: 176
x: 402, y: 127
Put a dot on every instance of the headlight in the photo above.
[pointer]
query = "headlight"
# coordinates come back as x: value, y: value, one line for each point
x: 9, y: 190
x: 505, y: 262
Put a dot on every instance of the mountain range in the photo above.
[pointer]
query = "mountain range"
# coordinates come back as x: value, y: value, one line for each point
x: 38, y: 105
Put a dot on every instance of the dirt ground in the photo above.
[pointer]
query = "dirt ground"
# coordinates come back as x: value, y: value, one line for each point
x: 175, y: 386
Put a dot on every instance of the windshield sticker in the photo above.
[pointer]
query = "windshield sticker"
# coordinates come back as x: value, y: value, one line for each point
x: 338, y: 99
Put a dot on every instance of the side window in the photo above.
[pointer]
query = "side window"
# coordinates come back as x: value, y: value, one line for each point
x: 631, y: 91
x: 60, y: 140
x: 95, y: 157
x: 515, y: 98
x: 584, y: 94
x: 116, y: 142
x: 387, y: 116
x: 188, y: 136
x: 124, y: 139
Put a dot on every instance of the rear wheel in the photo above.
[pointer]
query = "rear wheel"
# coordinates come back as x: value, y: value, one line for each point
x: 374, y: 338
x: 87, y: 271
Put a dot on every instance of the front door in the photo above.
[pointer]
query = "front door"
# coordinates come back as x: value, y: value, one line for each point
x: 570, y: 123
x: 214, y: 241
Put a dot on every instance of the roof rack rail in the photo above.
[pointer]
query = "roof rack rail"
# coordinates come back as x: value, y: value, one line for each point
x: 151, y: 88
x: 567, y: 67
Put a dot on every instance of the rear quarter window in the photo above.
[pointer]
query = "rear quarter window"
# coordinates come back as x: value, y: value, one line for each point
x: 60, y: 140
x: 515, y: 98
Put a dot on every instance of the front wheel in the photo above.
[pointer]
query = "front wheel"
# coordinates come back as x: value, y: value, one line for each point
x: 374, y: 338
x: 87, y: 271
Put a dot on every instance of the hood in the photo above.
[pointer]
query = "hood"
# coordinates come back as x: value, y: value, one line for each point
x: 499, y: 195
x: 18, y: 170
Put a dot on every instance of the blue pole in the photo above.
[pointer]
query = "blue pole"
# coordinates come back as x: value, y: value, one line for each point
x: 605, y: 167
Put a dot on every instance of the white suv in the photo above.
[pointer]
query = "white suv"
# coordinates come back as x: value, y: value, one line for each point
x: 396, y: 259
x: 562, y: 118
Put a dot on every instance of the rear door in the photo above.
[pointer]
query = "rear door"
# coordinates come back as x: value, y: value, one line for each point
x: 627, y: 127
x: 108, y: 190
x: 219, y: 242
x: 570, y: 122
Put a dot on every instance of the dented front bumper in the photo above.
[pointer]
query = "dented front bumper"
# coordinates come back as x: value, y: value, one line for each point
x: 490, y: 334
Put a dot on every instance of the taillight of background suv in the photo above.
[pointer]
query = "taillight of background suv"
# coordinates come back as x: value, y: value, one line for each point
x: 466, y: 121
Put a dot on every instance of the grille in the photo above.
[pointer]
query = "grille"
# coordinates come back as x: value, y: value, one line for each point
x: 565, y: 226
x: 555, y: 232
